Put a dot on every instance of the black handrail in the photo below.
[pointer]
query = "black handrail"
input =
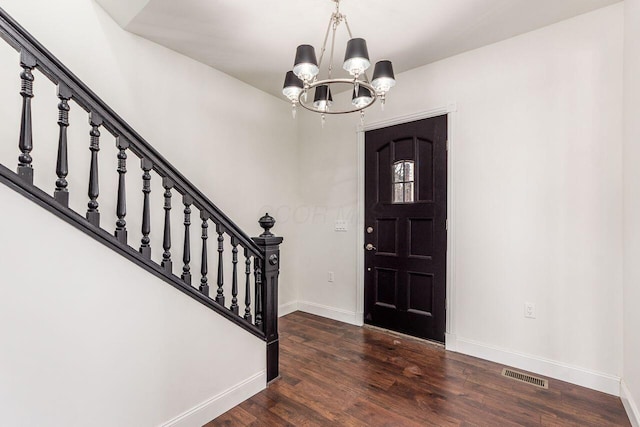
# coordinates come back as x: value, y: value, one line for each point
x: 38, y: 196
x: 262, y: 252
x: 21, y: 40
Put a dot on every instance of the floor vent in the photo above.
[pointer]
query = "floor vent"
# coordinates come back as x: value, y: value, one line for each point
x: 524, y: 378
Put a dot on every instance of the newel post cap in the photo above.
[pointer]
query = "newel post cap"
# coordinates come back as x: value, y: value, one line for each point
x: 267, y: 222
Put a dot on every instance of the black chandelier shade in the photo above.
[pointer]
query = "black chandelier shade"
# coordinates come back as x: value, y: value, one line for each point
x: 305, y: 54
x: 291, y: 80
x: 323, y: 93
x: 363, y: 92
x: 383, y: 69
x: 306, y: 74
x: 362, y: 97
x: 356, y: 48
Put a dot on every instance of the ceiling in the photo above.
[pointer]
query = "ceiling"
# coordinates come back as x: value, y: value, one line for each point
x: 255, y: 40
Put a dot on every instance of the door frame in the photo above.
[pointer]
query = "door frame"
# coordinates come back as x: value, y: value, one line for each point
x: 451, y: 111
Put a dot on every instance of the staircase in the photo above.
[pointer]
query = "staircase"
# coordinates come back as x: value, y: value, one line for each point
x: 249, y: 301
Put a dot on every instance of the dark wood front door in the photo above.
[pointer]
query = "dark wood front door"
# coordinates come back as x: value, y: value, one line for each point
x: 405, y: 227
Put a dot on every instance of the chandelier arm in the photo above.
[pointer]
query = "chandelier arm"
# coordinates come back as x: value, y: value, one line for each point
x: 346, y: 23
x: 329, y: 82
x: 333, y: 44
x: 366, y: 78
x: 324, y: 43
x: 361, y: 79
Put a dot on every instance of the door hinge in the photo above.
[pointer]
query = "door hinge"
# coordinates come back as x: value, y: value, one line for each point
x: 446, y: 224
x: 447, y: 145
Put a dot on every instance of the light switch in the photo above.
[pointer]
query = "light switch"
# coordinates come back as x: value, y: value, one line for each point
x: 340, y: 225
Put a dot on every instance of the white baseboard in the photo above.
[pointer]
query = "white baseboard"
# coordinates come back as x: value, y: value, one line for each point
x: 338, y: 314
x: 287, y: 308
x: 450, y: 342
x: 359, y: 318
x: 599, y: 381
x: 219, y: 404
x: 629, y: 405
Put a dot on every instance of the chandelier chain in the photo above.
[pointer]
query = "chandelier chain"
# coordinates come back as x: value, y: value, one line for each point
x: 333, y: 45
x: 346, y: 23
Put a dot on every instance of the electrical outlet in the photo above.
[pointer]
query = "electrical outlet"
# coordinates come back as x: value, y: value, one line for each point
x: 330, y: 276
x: 529, y: 310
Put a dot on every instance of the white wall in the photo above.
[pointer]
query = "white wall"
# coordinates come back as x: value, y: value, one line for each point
x: 89, y: 338
x: 631, y: 151
x: 235, y: 143
x: 537, y: 173
x: 123, y: 12
x: 538, y: 203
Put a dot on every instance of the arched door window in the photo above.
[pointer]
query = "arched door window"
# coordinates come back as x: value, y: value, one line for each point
x: 403, y: 181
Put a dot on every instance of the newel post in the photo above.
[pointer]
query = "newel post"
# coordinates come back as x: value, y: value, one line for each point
x: 269, y: 270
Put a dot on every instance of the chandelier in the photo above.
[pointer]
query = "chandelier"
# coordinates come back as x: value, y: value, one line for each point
x: 306, y: 69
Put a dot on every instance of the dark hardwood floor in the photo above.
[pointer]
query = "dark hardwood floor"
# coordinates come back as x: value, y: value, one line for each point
x: 334, y: 374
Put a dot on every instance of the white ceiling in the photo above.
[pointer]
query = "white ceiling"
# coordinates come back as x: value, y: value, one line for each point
x: 255, y: 40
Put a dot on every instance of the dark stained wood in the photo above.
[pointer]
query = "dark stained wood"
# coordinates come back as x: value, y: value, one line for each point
x: 45, y: 201
x: 258, y: 274
x: 61, y: 193
x: 268, y: 292
x: 406, y: 238
x: 167, y: 264
x: 33, y: 52
x: 247, y: 290
x: 264, y: 250
x: 220, y: 281
x: 234, y: 276
x: 145, y: 247
x: 121, y: 207
x: 34, y: 55
x: 25, y: 143
x: 334, y: 374
x: 186, y: 250
x: 204, y: 264
x: 93, y: 215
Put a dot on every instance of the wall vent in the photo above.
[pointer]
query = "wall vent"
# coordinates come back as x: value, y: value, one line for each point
x: 525, y: 378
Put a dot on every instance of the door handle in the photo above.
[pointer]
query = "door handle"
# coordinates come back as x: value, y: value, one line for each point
x: 370, y: 247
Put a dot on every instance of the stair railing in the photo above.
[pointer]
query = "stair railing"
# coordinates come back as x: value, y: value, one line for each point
x: 260, y: 254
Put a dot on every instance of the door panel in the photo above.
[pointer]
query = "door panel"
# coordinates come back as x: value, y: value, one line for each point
x: 424, y: 173
x: 420, y: 238
x: 387, y: 231
x: 386, y: 287
x: 405, y: 222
